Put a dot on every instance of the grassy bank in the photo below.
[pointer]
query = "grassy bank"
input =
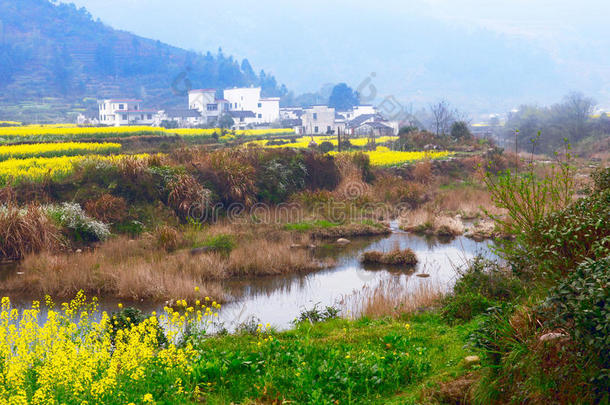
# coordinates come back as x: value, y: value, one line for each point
x: 124, y: 358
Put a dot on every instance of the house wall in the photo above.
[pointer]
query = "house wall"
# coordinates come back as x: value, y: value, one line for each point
x: 114, y: 112
x: 318, y: 119
x: 269, y: 110
x: 243, y: 99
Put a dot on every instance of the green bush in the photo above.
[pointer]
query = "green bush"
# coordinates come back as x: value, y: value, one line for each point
x: 322, y: 171
x: 601, y: 179
x: 483, y: 284
x: 580, y: 305
x: 280, y: 175
x: 316, y: 314
x: 326, y: 147
x: 556, y: 244
x: 464, y: 307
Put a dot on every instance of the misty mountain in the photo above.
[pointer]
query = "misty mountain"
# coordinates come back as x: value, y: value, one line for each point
x: 55, y: 59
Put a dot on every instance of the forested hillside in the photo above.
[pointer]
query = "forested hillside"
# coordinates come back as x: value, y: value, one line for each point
x: 56, y: 60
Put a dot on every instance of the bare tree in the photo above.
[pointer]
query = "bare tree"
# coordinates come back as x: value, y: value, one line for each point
x: 574, y: 114
x: 443, y: 116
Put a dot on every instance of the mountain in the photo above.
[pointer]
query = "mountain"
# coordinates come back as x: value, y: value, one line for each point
x: 56, y: 61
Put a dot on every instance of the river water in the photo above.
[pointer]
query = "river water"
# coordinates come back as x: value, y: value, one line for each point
x: 279, y: 299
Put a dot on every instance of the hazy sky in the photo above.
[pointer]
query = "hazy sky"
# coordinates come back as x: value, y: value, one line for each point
x: 475, y: 51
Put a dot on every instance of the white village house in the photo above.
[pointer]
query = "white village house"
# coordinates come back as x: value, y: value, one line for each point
x: 119, y: 112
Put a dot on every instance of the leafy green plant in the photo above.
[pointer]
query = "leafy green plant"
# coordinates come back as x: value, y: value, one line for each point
x: 481, y: 285
x: 316, y: 314
x: 580, y: 305
x: 221, y: 243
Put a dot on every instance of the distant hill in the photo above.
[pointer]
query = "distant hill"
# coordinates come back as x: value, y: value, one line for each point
x: 56, y: 60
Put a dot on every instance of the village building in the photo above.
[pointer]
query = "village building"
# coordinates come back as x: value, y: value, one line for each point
x: 117, y: 112
x: 210, y: 108
x: 183, y: 118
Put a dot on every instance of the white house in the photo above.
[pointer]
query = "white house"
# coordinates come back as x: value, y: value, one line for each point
x: 291, y: 113
x: 205, y: 101
x: 265, y: 110
x: 119, y: 112
x: 184, y: 118
x: 319, y: 119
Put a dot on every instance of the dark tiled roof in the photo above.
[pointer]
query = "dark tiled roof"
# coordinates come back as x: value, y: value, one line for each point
x: 377, y: 125
x: 356, y: 122
x: 242, y: 114
x: 292, y: 123
x: 182, y: 113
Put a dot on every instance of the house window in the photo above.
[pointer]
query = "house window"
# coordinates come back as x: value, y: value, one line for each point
x: 149, y: 116
x: 212, y: 107
x: 241, y: 119
x: 136, y: 107
x: 328, y: 129
x: 141, y: 116
x: 260, y: 115
x: 121, y: 106
x: 125, y: 116
x: 315, y: 117
x: 260, y: 105
x: 315, y: 130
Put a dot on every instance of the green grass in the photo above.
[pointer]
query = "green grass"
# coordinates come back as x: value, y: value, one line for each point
x: 365, y: 361
x: 307, y: 226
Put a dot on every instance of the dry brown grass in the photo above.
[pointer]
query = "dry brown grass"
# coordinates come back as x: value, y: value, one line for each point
x: 469, y: 202
x: 107, y: 208
x: 393, y: 299
x: 422, y: 172
x: 138, y: 269
x: 394, y: 257
x: 23, y: 231
x: 428, y: 222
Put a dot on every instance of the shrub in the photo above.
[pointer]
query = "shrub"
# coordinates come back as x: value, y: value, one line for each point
x: 107, y: 208
x: 185, y: 193
x: 280, y: 175
x: 482, y: 284
x: 601, y: 179
x: 326, y: 147
x: 316, y: 314
x: 580, y: 304
x: 231, y: 173
x: 80, y: 226
x: 464, y: 307
x: 24, y: 231
x: 557, y: 243
x: 167, y: 238
x: 322, y: 172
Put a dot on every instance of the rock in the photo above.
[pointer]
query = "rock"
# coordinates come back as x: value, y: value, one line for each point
x: 481, y: 231
x: 551, y: 336
x: 423, y: 275
x: 343, y: 241
x: 470, y: 361
x: 201, y: 250
x: 311, y: 246
x: 20, y: 273
x: 78, y: 251
x: 295, y: 246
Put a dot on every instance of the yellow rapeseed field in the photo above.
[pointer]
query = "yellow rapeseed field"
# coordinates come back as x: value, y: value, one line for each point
x: 304, y: 141
x: 66, y: 132
x: 56, y: 149
x: 77, y: 355
x: 383, y: 156
x: 36, y: 169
